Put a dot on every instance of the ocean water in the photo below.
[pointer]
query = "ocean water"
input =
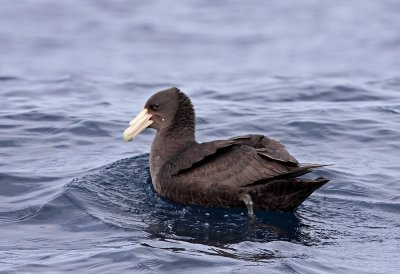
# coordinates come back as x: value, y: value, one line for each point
x: 322, y: 77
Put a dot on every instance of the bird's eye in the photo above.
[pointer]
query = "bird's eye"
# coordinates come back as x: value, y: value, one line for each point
x: 155, y: 107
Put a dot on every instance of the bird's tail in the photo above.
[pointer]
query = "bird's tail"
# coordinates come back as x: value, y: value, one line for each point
x: 286, y: 194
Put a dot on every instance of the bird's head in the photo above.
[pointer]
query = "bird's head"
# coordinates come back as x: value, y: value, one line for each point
x: 167, y: 110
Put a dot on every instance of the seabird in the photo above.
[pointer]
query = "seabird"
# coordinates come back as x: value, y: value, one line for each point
x: 251, y: 171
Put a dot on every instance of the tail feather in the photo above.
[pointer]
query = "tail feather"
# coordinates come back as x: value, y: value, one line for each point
x: 315, y: 165
x: 286, y: 195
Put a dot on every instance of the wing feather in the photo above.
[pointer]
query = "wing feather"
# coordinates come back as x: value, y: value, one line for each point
x: 266, y: 147
x: 228, y: 164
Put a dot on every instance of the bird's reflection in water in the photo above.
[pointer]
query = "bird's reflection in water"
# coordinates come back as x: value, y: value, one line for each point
x: 225, y: 232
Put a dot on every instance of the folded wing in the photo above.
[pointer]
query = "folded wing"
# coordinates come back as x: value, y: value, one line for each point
x: 238, y: 162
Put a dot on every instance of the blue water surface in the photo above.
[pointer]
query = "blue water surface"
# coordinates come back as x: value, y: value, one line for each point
x: 322, y: 77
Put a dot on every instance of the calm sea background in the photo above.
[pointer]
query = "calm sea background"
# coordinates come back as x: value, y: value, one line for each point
x: 321, y: 76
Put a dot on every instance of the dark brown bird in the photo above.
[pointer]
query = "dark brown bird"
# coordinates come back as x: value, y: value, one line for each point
x: 251, y: 170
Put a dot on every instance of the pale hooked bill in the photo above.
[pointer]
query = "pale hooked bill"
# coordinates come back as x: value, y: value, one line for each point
x: 137, y: 125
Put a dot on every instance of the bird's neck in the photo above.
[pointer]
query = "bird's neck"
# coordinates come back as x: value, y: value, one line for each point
x: 168, y: 145
x: 174, y: 139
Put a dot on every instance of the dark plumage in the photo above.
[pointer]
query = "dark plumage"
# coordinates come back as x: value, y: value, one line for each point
x: 251, y: 170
